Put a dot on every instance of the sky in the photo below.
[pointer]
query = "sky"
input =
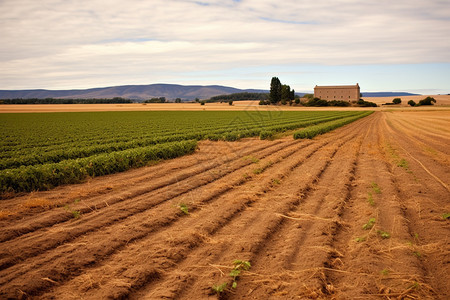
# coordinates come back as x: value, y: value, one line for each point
x: 383, y: 45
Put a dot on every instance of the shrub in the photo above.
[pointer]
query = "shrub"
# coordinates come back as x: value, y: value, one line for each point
x: 364, y: 103
x: 230, y: 102
x: 412, y: 103
x: 427, y: 101
x: 397, y: 101
x: 264, y: 135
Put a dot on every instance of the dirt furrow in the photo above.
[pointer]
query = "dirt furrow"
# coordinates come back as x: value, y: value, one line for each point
x: 137, y: 227
x: 33, y: 244
x: 292, y: 262
x: 255, y: 227
x: 153, y: 180
x: 438, y: 171
x: 423, y: 204
x: 373, y: 258
x: 180, y: 236
x: 435, y: 144
x: 95, y: 205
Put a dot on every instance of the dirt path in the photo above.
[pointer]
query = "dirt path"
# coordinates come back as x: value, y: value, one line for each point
x: 294, y: 209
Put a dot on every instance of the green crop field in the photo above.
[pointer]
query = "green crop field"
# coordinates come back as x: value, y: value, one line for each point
x: 40, y: 151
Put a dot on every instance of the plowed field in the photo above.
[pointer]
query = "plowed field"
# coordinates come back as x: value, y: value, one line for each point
x: 295, y: 209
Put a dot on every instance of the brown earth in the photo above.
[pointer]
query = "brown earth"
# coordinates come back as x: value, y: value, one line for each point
x: 442, y: 100
x: 295, y: 209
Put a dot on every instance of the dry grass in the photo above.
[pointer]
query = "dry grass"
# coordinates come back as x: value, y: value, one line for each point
x: 5, y: 214
x: 37, y: 202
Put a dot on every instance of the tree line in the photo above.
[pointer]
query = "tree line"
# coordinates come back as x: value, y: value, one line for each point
x: 239, y: 96
x: 63, y: 101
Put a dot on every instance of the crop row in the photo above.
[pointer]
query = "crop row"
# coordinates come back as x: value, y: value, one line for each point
x: 21, y: 133
x: 45, y: 176
x: 230, y: 133
x: 322, y: 128
x: 41, y: 151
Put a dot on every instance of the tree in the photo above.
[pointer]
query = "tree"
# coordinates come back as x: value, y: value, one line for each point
x: 397, y: 101
x: 297, y: 100
x: 285, y: 93
x: 202, y: 102
x: 275, y: 90
x: 427, y: 101
x: 412, y: 103
x: 178, y: 100
x: 197, y: 100
x: 230, y: 102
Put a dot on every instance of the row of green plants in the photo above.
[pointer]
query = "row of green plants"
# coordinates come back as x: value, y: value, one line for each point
x: 20, y: 132
x: 312, y: 131
x: 45, y: 176
x: 40, y: 151
x: 56, y: 153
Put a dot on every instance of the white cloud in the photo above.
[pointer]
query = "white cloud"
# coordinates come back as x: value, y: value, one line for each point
x: 68, y: 43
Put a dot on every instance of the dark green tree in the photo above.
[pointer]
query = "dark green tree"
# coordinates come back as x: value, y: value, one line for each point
x: 275, y: 90
x: 427, y: 101
x: 412, y: 102
x: 178, y: 100
x: 285, y: 93
x: 397, y: 101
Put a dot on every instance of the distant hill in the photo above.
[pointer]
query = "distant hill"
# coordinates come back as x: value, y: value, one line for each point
x: 387, y: 94
x: 135, y: 92
x: 143, y: 92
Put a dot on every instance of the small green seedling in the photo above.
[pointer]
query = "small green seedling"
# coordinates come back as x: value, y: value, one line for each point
x: 370, y: 199
x: 252, y: 158
x: 275, y: 181
x: 384, y: 234
x: 369, y: 224
x: 218, y: 289
x: 75, y: 213
x: 258, y: 171
x: 376, y: 188
x: 446, y: 216
x: 403, y: 163
x: 415, y: 285
x: 360, y: 239
x: 385, y: 272
x: 239, y: 266
x: 417, y: 254
x: 184, y: 208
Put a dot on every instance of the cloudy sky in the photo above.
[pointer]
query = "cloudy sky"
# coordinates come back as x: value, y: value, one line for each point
x: 384, y: 45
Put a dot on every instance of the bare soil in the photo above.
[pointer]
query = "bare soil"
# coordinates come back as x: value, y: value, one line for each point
x: 295, y: 209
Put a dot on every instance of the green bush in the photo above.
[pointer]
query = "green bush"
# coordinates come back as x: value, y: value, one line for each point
x: 412, y: 103
x: 265, y: 135
x: 427, y: 101
x: 397, y: 101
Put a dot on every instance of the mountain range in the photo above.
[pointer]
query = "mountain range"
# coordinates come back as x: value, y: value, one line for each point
x: 143, y: 92
x: 134, y: 92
